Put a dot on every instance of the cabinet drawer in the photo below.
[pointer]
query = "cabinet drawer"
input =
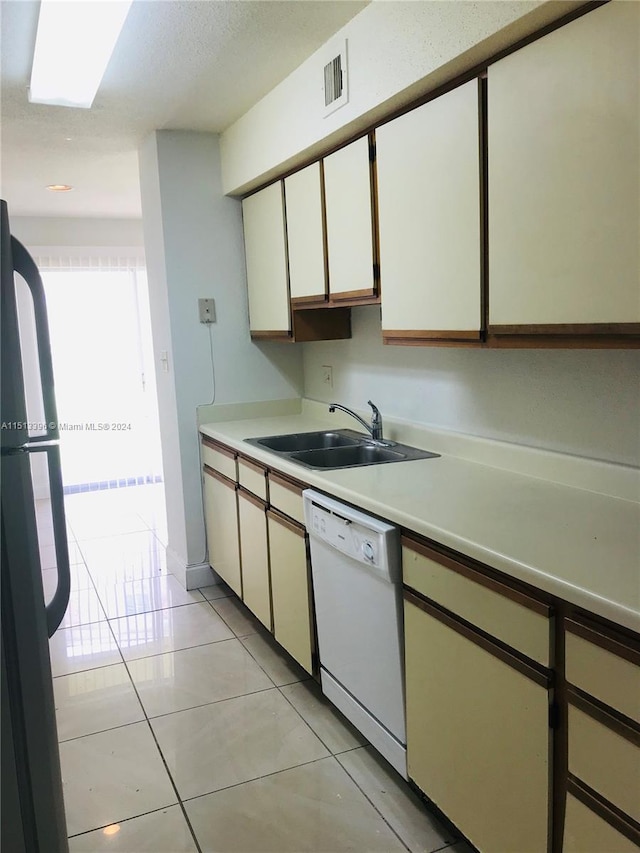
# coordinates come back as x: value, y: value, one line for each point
x: 508, y: 615
x: 605, y: 760
x: 286, y: 496
x: 219, y: 458
x: 586, y: 832
x: 253, y: 477
x: 611, y: 673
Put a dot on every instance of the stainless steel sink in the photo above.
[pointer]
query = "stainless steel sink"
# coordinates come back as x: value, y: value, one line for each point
x: 305, y: 441
x: 334, y: 449
x: 345, y: 457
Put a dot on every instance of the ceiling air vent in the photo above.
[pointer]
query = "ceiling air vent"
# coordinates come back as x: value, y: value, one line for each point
x: 336, y: 92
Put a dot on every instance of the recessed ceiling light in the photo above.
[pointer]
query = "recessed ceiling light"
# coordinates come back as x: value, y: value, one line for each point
x: 59, y: 188
x: 74, y: 43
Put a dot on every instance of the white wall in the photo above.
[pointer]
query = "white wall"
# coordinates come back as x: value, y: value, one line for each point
x: 584, y: 402
x: 398, y: 50
x: 70, y: 231
x: 194, y: 248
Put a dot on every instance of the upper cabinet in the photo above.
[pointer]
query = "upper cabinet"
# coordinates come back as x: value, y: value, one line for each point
x: 428, y: 174
x: 276, y: 246
x: 350, y: 222
x: 564, y: 180
x: 266, y: 253
x: 505, y: 211
x: 306, y: 235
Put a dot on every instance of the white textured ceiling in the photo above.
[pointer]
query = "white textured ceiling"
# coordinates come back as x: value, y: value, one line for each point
x: 179, y: 64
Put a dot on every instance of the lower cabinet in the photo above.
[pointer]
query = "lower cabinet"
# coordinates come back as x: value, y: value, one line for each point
x: 221, y: 519
x: 292, y: 619
x: 254, y: 555
x: 586, y: 832
x: 478, y: 735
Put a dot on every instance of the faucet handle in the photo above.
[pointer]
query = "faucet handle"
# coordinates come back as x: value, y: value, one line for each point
x: 376, y: 422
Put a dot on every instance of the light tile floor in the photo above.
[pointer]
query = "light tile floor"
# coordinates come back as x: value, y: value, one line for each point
x: 183, y: 727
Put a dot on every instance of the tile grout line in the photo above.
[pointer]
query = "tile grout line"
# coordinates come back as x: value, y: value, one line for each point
x: 146, y: 719
x: 370, y: 801
x: 164, y: 762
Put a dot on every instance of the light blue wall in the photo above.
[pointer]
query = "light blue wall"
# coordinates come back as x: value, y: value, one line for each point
x: 194, y: 248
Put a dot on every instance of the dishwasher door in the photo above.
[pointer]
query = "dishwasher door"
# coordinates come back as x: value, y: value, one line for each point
x: 357, y: 584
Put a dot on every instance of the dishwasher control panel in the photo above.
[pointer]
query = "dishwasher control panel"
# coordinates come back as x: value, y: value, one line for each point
x: 365, y: 539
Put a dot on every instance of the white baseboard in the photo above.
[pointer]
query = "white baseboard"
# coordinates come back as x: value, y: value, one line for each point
x: 201, y: 575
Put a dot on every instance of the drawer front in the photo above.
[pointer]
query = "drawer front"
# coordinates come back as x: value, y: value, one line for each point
x: 253, y: 477
x: 605, y: 760
x: 516, y: 624
x: 586, y: 832
x: 609, y: 677
x: 221, y: 460
x: 286, y: 498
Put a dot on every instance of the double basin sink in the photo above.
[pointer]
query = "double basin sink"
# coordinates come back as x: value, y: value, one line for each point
x: 334, y: 449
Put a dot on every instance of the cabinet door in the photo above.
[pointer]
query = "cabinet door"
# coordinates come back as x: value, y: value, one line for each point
x: 477, y: 737
x: 264, y: 239
x: 292, y: 626
x: 347, y: 181
x: 221, y: 519
x: 254, y: 557
x: 564, y: 180
x: 586, y: 832
x: 305, y: 234
x: 428, y: 166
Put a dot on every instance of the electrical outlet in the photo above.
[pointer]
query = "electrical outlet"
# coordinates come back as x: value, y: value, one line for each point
x: 207, y: 310
x: 327, y: 375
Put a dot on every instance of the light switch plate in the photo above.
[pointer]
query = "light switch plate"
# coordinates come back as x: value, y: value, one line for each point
x: 207, y: 310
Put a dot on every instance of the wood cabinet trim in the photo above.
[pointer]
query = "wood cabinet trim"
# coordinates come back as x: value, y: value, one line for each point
x: 287, y: 482
x: 532, y: 670
x: 258, y: 467
x: 476, y: 575
x: 221, y: 448
x: 483, y: 153
x: 561, y: 342
x: 629, y: 650
x: 610, y: 813
x: 271, y: 335
x: 253, y: 499
x: 375, y: 233
x: 605, y: 714
x: 566, y: 329
x: 349, y: 295
x: 290, y: 523
x: 428, y: 335
x: 218, y: 476
x: 309, y: 301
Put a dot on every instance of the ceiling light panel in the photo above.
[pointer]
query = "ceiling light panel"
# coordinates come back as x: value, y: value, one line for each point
x: 74, y: 43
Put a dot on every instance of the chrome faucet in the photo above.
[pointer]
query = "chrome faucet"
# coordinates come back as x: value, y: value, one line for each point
x: 375, y: 428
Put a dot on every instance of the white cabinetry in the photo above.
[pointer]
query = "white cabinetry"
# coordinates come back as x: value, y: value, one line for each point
x: 428, y: 167
x: 347, y: 175
x: 564, y: 179
x: 305, y: 234
x: 266, y: 253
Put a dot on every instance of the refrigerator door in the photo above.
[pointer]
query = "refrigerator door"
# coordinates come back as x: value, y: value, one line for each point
x: 15, y: 432
x: 32, y: 803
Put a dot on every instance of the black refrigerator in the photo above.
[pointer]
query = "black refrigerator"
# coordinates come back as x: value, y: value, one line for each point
x: 33, y: 818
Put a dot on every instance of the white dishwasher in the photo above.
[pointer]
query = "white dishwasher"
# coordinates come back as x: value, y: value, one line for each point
x: 357, y: 587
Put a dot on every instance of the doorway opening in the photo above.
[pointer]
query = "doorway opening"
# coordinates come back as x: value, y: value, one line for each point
x: 100, y: 330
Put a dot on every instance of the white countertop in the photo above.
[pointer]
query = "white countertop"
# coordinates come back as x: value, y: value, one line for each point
x: 579, y: 545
